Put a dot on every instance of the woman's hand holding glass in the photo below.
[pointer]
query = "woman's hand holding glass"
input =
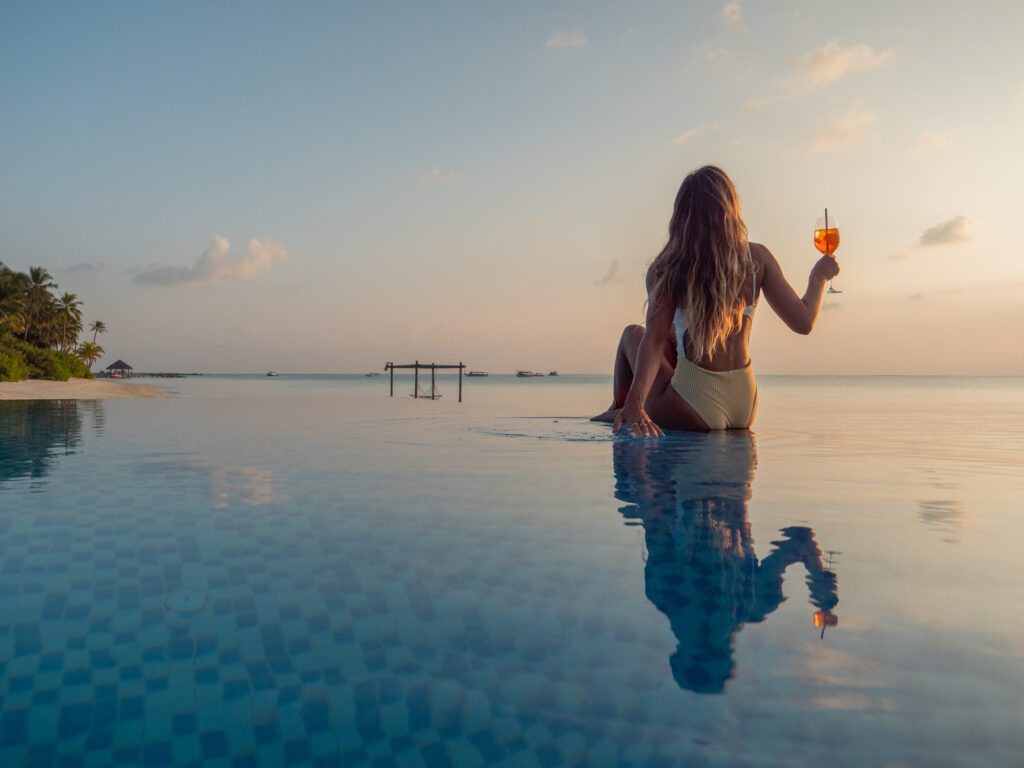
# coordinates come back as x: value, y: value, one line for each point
x: 826, y: 268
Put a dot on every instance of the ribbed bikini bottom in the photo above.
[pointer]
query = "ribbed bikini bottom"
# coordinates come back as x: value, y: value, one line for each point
x: 723, y: 399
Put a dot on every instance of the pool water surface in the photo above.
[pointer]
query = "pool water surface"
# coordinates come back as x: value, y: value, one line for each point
x: 323, y: 575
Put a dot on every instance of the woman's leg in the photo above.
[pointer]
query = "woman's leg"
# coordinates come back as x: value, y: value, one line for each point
x: 664, y: 405
x: 625, y: 364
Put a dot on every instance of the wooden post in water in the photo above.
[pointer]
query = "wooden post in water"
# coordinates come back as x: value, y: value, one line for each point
x: 434, y: 368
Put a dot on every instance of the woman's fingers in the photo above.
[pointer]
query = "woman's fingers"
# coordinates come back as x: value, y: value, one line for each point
x: 636, y: 424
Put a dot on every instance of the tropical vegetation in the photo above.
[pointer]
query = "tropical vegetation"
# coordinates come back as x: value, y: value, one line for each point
x: 40, y: 328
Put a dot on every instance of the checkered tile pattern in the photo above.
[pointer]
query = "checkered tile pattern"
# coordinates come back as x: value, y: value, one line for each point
x: 159, y: 609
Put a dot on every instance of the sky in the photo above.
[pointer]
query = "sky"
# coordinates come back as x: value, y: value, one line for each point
x: 323, y: 187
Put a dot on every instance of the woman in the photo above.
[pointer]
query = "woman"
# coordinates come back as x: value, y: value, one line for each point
x: 690, y: 369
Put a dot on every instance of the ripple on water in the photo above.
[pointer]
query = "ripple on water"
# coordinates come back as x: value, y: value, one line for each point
x: 566, y: 430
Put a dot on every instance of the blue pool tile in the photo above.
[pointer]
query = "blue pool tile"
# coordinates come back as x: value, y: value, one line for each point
x: 315, y: 713
x: 296, y: 750
x: 183, y: 724
x: 46, y: 697
x: 50, y: 662
x: 79, y: 676
x: 107, y: 691
x: 101, y: 736
x: 20, y: 684
x: 214, y: 745
x: 158, y: 753
x: 180, y: 648
x: 207, y: 675
x: 105, y: 711
x: 75, y: 719
x: 13, y: 727
x: 130, y: 672
x: 235, y: 689
x: 435, y: 756
x: 132, y: 708
x: 266, y: 732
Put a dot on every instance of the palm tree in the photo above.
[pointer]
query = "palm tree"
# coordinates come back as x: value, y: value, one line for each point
x: 69, y: 311
x: 90, y: 352
x: 38, y: 298
x: 97, y: 327
x: 13, y: 288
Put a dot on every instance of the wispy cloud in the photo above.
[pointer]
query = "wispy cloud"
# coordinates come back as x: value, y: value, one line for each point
x: 436, y: 175
x: 85, y: 266
x: 822, y: 66
x: 694, y: 132
x: 218, y: 264
x: 611, y: 276
x: 571, y: 39
x: 932, y: 141
x: 732, y: 13
x: 718, y: 55
x: 956, y: 230
x: 845, y: 130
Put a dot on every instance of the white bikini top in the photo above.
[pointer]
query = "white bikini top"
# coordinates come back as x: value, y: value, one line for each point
x: 681, y: 323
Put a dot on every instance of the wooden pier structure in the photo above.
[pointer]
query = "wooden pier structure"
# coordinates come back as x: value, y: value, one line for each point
x: 416, y: 367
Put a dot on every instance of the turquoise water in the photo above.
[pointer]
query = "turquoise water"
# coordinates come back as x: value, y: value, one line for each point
x: 304, y: 571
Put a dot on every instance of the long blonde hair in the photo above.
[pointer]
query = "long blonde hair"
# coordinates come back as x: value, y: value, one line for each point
x: 705, y: 261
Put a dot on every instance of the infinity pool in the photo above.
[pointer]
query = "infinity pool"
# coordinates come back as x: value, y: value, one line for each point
x: 317, y: 574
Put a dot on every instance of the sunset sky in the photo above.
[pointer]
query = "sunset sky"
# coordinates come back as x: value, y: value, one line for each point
x: 323, y: 187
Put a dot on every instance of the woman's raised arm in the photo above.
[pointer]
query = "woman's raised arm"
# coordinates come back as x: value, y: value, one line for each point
x: 799, y: 313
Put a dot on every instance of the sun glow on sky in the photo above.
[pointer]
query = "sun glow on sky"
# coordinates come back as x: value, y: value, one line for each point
x: 325, y: 186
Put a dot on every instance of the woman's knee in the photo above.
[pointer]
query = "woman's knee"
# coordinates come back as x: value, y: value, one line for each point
x: 632, y: 334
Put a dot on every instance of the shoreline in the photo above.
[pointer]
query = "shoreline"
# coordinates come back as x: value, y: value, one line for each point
x: 77, y: 389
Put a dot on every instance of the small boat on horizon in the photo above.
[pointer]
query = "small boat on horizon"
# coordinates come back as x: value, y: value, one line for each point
x: 553, y: 373
x: 477, y: 373
x: 273, y: 373
x: 373, y: 373
x: 527, y: 374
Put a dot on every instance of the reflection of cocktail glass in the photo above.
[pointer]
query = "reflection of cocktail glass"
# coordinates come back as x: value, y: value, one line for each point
x: 826, y: 238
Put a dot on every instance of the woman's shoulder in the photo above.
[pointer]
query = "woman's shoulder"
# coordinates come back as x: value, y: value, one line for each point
x: 761, y: 255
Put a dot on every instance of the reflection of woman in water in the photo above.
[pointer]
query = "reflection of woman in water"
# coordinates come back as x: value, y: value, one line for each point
x: 690, y: 496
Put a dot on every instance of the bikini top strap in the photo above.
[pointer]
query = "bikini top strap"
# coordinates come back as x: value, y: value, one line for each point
x: 753, y: 275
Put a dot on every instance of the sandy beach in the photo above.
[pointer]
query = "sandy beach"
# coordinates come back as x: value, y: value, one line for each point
x: 76, y: 389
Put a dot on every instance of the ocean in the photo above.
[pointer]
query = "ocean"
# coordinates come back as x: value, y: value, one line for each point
x: 303, y: 570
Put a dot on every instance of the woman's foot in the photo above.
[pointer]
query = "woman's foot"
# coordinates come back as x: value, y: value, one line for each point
x: 609, y: 415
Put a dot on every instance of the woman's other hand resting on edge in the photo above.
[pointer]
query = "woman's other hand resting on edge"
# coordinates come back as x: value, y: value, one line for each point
x: 635, y: 420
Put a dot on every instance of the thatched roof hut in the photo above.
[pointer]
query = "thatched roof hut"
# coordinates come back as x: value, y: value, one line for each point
x: 120, y: 368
